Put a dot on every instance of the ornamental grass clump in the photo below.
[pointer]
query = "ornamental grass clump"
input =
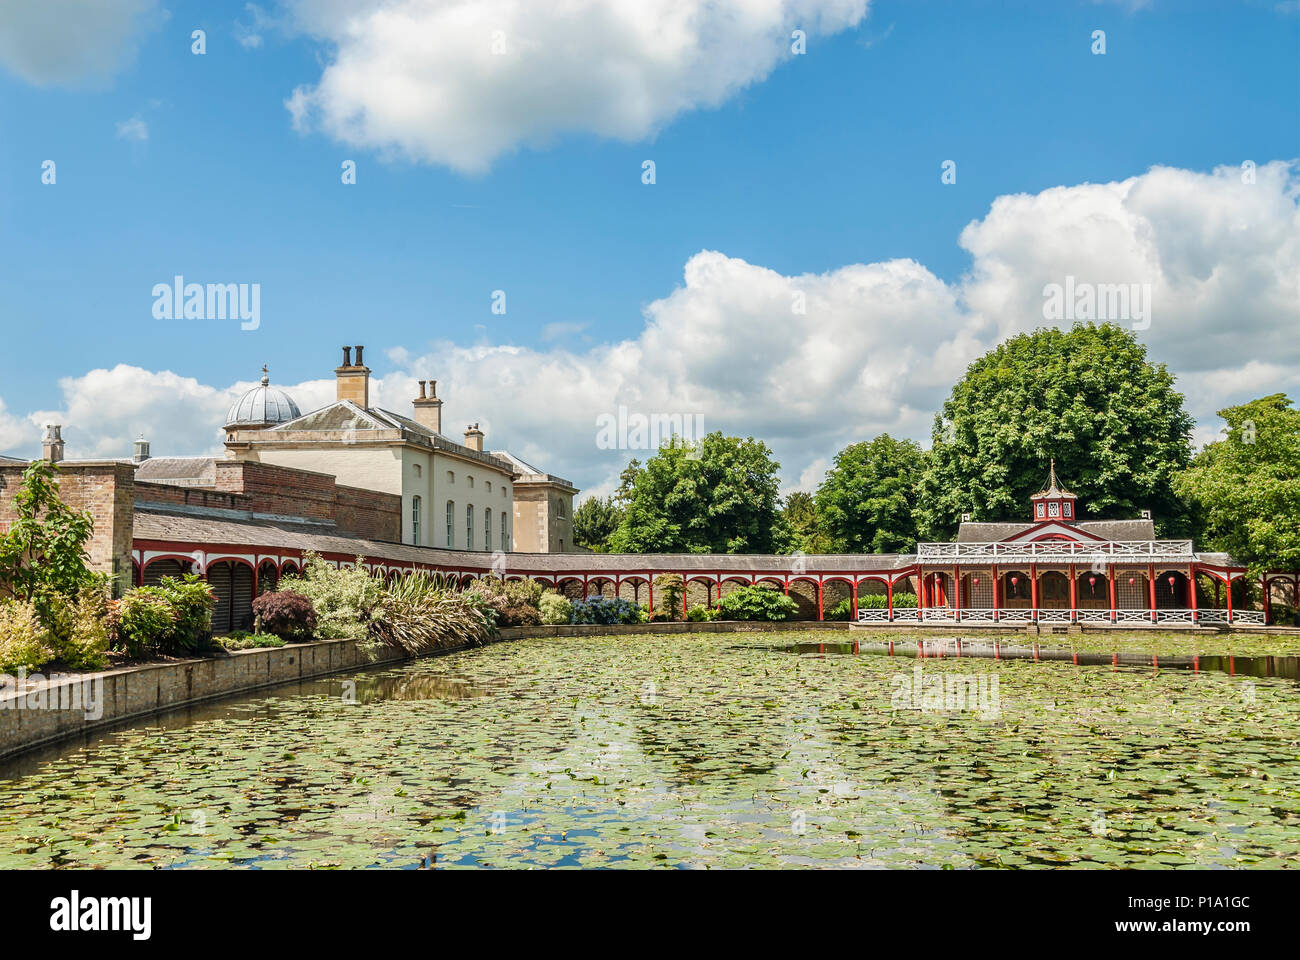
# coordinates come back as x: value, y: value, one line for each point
x: 421, y: 614
x: 344, y: 598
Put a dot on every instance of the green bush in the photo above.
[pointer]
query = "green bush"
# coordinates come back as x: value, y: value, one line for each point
x: 243, y: 640
x: 79, y: 626
x: 554, y: 608
x: 25, y: 642
x: 756, y: 602
x: 517, y: 602
x: 668, y: 591
x: 700, y: 613
x: 844, y: 609
x: 344, y: 598
x: 174, y: 617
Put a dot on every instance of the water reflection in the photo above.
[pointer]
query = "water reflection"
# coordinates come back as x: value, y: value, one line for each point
x: 1281, y: 667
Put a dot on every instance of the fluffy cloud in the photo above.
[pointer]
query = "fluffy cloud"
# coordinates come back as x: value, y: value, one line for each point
x: 459, y: 82
x: 811, y: 363
x: 133, y: 129
x: 64, y: 42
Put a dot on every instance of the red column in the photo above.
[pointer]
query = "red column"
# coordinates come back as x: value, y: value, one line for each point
x: 1191, y: 590
x: 889, y: 599
x: 920, y: 594
x: 1268, y: 606
x: 956, y: 593
x: 819, y: 599
x: 1227, y: 589
x: 997, y: 586
x: 1151, y: 589
x: 1110, y: 581
x: 1074, y: 598
x: 684, y: 586
x: 1033, y: 592
x: 719, y: 589
x: 650, y: 581
x: 855, y: 601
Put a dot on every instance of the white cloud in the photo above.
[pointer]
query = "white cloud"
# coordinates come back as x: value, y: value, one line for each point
x: 133, y: 129
x: 459, y: 82
x: 68, y: 42
x: 876, y: 348
x: 250, y: 35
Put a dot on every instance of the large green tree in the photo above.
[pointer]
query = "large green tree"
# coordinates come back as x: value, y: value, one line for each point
x: 800, y: 526
x: 1086, y: 396
x: 1245, y: 489
x: 868, y: 500
x: 594, y: 522
x: 716, y: 496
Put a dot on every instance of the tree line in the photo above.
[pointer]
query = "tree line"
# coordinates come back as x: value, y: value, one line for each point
x: 1088, y: 397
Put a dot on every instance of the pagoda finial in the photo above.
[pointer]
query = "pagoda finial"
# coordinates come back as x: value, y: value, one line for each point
x: 266, y: 377
x: 1051, y: 474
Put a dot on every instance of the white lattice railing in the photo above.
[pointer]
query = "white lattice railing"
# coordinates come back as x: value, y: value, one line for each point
x: 1110, y: 551
x: 1056, y: 615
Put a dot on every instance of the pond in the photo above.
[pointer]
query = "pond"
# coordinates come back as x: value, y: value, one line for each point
x: 698, y: 751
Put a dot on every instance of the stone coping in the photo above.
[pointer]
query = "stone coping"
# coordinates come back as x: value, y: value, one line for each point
x: 70, y: 704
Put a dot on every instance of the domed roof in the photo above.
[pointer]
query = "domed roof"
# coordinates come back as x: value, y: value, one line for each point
x: 263, y: 406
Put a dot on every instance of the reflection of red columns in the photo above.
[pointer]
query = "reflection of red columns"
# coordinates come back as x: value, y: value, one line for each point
x: 889, y: 598
x: 956, y: 593
x: 996, y: 591
x: 1110, y: 583
x: 1033, y: 591
x: 1151, y: 589
x: 1227, y: 589
x: 855, y: 601
x: 1191, y: 590
x: 1074, y: 596
x: 819, y: 600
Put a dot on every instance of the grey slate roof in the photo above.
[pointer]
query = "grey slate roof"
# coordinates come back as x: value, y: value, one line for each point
x: 975, y: 532
x: 189, y: 471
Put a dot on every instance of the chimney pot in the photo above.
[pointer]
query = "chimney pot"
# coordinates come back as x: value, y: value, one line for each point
x: 422, y: 390
x: 359, y: 349
x: 433, y: 388
x: 347, y: 356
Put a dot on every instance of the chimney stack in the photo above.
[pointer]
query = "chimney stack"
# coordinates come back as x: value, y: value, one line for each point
x: 141, y: 450
x: 52, y: 443
x: 428, y: 408
x: 474, y: 437
x: 353, y: 379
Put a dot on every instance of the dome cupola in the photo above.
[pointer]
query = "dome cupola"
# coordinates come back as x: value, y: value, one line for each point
x: 263, y: 406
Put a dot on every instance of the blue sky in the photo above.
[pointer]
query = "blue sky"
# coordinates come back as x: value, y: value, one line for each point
x: 831, y: 159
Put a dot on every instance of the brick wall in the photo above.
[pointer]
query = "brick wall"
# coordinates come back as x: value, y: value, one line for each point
x: 285, y: 491
x: 105, y: 488
x: 173, y: 495
x: 368, y: 513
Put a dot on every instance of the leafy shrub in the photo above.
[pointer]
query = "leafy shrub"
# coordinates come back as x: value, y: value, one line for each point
x: 555, y: 608
x: 141, y: 622
x: 78, y: 626
x: 243, y: 640
x: 756, y: 602
x: 668, y: 591
x: 344, y: 598
x: 43, y: 551
x: 173, y: 617
x: 421, y: 614
x: 285, y: 614
x: 605, y: 610
x: 844, y: 609
x: 25, y: 642
x: 700, y: 613
x: 517, y: 602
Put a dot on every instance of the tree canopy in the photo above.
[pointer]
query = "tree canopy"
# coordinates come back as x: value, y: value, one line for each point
x: 716, y: 496
x: 1245, y: 489
x: 594, y: 522
x: 1086, y: 396
x: 867, y: 502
